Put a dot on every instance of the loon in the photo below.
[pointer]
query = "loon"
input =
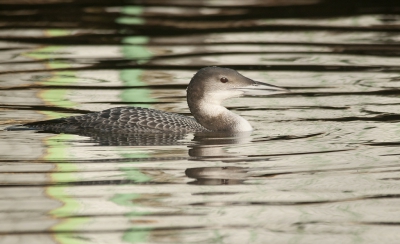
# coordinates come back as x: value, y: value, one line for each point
x: 205, y: 93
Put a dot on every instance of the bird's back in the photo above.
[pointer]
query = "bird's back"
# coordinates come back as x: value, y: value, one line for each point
x: 122, y: 119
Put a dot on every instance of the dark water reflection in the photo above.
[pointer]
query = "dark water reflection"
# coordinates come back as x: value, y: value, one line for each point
x: 322, y: 165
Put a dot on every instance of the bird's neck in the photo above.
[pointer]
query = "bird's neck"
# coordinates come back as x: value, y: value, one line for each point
x: 215, y: 117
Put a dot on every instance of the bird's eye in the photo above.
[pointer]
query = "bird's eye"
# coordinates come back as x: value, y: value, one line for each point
x: 224, y: 79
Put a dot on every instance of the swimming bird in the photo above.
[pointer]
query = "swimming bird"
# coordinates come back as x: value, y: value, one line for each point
x: 205, y: 93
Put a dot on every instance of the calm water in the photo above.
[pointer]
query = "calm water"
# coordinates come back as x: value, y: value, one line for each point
x: 322, y: 165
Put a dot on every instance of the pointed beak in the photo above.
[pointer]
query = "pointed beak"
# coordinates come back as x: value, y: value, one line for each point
x: 260, y: 89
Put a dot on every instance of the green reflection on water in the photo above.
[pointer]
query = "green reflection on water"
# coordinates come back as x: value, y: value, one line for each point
x: 70, y: 224
x: 136, y: 52
x: 128, y: 200
x: 130, y: 20
x: 55, y: 145
x: 133, y: 10
x: 133, y: 236
x: 54, y: 97
x: 136, y: 175
x: 56, y: 151
x: 136, y: 40
x: 57, y: 98
x: 125, y: 199
x: 132, y: 96
x: 58, y: 32
x: 132, y: 173
x: 133, y: 77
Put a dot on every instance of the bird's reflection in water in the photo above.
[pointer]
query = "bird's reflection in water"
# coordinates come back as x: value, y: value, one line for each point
x: 204, y: 146
x: 212, y: 147
x: 217, y: 175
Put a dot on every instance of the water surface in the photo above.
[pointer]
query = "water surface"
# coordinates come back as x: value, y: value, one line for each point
x: 320, y: 167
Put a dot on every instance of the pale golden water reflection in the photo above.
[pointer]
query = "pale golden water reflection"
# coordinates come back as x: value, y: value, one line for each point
x: 322, y: 165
